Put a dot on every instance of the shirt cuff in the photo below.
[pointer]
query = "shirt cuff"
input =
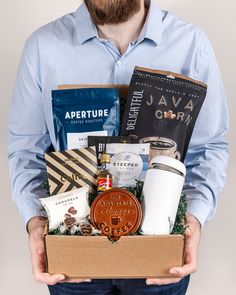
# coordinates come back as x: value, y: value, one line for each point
x: 199, y: 209
x: 32, y: 210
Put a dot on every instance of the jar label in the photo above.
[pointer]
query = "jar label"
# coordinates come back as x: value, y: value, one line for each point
x: 104, y: 184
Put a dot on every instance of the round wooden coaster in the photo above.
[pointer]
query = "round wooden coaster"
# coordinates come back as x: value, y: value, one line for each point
x: 116, y: 213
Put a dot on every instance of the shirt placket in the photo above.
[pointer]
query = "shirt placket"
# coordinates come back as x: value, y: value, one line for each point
x: 119, y: 66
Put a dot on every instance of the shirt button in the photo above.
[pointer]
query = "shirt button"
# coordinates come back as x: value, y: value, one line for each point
x: 118, y: 63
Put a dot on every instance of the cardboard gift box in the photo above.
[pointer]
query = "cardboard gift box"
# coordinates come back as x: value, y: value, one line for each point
x: 97, y: 257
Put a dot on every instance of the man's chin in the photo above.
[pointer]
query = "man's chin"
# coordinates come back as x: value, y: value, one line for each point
x: 112, y: 12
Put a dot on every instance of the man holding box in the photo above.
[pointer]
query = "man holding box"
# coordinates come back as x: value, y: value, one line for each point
x: 100, y: 44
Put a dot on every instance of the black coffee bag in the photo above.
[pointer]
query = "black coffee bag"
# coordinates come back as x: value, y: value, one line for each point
x: 162, y: 109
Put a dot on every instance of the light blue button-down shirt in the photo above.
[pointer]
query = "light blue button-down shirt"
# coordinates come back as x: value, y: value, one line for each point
x: 69, y: 51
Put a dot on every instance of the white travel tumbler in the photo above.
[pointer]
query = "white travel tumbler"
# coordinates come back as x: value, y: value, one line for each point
x: 162, y: 190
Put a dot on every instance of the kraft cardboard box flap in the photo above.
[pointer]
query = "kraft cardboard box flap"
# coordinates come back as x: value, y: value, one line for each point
x: 130, y: 257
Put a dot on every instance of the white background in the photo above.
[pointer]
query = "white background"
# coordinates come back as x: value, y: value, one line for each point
x: 18, y: 19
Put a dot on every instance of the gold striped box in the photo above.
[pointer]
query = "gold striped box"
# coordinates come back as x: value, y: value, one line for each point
x: 71, y: 169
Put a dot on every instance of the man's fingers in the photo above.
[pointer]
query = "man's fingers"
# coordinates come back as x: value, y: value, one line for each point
x: 46, y: 278
x: 188, y: 233
x: 178, y: 273
x: 38, y: 258
x: 181, y: 272
x: 76, y: 281
x: 162, y: 281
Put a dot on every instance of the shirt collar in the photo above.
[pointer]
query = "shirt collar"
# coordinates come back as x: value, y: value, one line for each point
x: 85, y: 27
x: 152, y: 29
x: 153, y: 26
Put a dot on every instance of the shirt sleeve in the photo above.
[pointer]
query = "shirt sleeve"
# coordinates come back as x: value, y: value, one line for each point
x: 207, y: 156
x: 28, y: 137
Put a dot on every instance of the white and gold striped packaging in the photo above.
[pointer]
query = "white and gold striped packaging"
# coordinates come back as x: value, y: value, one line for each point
x: 71, y: 169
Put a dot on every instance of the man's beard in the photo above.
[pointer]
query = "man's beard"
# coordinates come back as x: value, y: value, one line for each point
x: 112, y: 11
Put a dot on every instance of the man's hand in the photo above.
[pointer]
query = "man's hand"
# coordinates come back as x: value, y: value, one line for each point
x: 36, y: 227
x: 193, y: 233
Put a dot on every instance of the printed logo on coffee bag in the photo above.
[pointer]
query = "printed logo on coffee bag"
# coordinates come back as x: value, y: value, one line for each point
x: 126, y: 166
x: 178, y: 108
x: 88, y: 114
x: 129, y: 162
